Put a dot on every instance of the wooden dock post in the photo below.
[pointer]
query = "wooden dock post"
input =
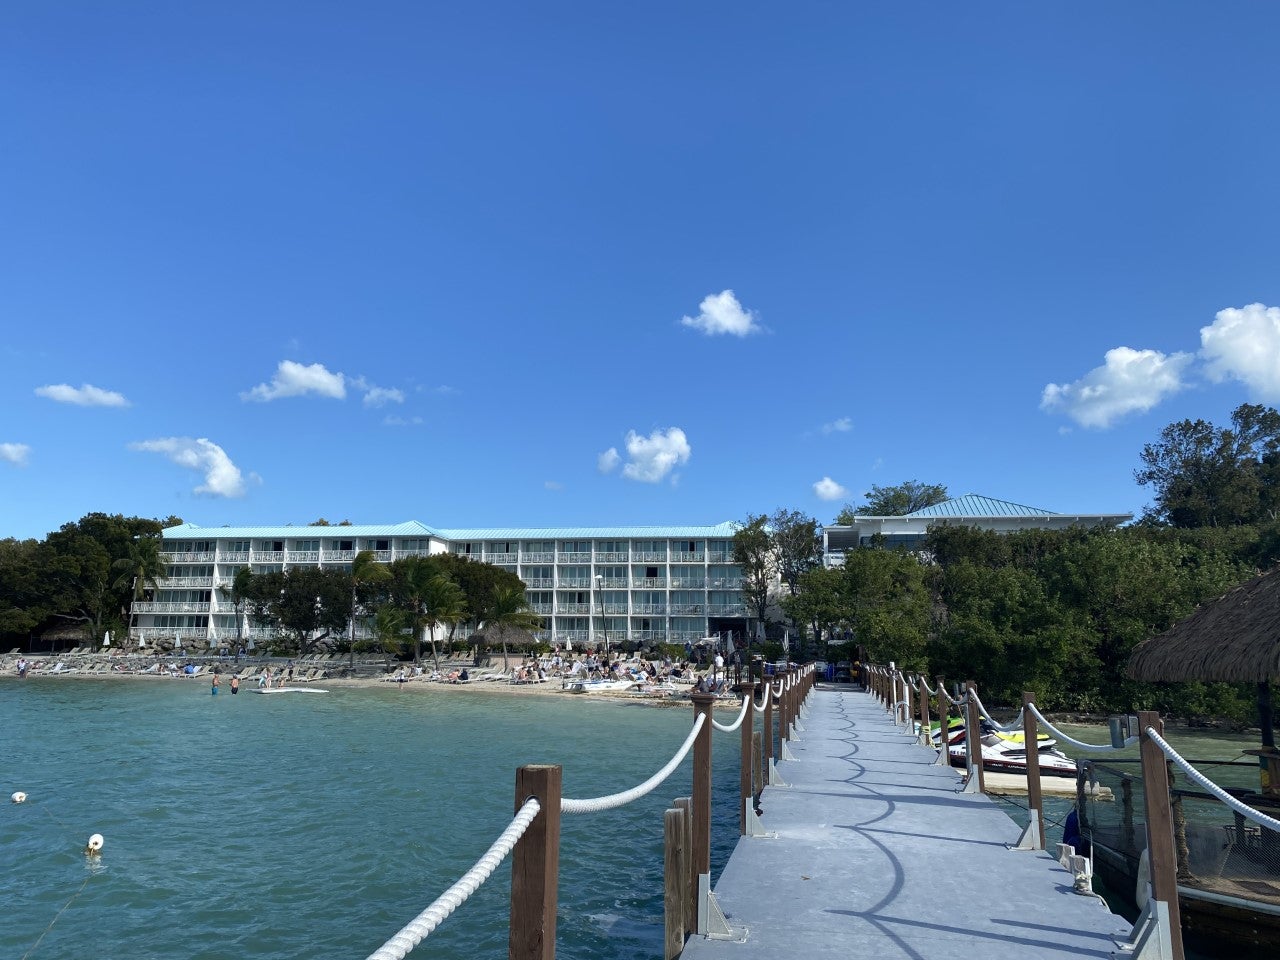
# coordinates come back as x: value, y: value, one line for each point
x: 1160, y: 850
x: 944, y: 723
x: 1030, y: 733
x: 747, y: 767
x: 701, y: 796
x: 973, y: 737
x: 675, y: 881
x: 535, y: 867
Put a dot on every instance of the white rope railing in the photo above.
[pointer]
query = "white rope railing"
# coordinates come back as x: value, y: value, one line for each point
x: 596, y: 804
x: 1014, y: 724
x: 1087, y: 747
x: 1239, y: 806
x: 763, y: 701
x: 421, y: 926
x: 927, y: 689
x: 730, y: 727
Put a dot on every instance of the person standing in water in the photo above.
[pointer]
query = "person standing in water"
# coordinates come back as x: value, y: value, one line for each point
x: 235, y: 685
x: 213, y: 689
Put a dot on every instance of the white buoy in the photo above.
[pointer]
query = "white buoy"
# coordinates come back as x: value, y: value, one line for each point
x: 19, y: 797
x: 95, y: 845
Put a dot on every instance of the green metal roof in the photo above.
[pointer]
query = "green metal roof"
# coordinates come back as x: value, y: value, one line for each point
x: 976, y: 505
x: 190, y: 531
x: 412, y: 528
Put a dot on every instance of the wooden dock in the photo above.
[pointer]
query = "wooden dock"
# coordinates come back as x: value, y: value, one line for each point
x: 876, y: 853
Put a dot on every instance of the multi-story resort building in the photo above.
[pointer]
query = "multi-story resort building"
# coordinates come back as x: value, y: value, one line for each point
x: 672, y: 584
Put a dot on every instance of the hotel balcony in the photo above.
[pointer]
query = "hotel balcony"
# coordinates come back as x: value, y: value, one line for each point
x: 304, y: 556
x: 567, y: 608
x: 169, y: 606
x: 573, y: 558
x: 643, y: 582
x: 615, y: 608
x: 382, y: 556
x: 727, y: 609
x: 206, y: 557
x: 717, y: 557
x: 268, y: 556
x: 241, y: 557
x: 615, y: 582
x: 174, y: 583
x: 684, y: 636
x: 686, y: 608
x: 688, y: 557
x: 337, y: 556
x: 727, y: 583
x: 649, y: 608
x: 501, y: 558
x: 649, y: 557
x: 170, y: 633
x: 574, y: 583
x: 572, y: 636
x: 650, y: 636
x: 543, y: 608
x: 612, y: 557
x: 538, y: 558
x: 539, y: 583
x: 689, y: 583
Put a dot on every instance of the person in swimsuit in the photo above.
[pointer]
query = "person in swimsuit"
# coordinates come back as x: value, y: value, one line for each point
x: 235, y: 685
x: 213, y: 689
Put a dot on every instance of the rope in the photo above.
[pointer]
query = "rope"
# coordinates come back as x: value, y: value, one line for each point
x: 928, y: 689
x: 729, y: 728
x: 1089, y: 747
x: 596, y: 804
x: 1238, y: 806
x: 1014, y: 724
x: 421, y: 926
x: 56, y: 916
x: 759, y: 709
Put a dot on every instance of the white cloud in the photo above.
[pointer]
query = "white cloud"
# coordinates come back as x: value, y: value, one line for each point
x: 15, y: 453
x: 1244, y: 344
x: 1130, y: 381
x: 722, y: 313
x: 653, y: 457
x: 295, y: 380
x: 381, y: 396
x: 393, y: 421
x: 842, y: 425
x: 222, y: 478
x: 608, y: 461
x: 828, y: 489
x: 553, y: 485
x: 86, y: 395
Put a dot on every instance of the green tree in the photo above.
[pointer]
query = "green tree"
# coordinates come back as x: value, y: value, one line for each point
x: 507, y: 614
x: 1203, y: 476
x: 754, y: 553
x: 238, y: 593
x: 888, y: 603
x: 818, y: 606
x: 796, y: 543
x: 443, y: 602
x: 390, y: 625
x: 895, y: 501
x: 366, y: 575
x: 139, y: 570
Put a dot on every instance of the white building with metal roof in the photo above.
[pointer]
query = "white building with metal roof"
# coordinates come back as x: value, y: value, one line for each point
x: 910, y: 531
x: 671, y: 584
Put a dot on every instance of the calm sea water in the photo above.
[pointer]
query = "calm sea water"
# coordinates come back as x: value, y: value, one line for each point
x: 317, y: 825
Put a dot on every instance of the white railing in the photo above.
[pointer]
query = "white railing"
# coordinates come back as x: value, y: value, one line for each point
x: 612, y: 557
x: 574, y: 636
x: 304, y: 556
x: 541, y: 608
x: 578, y: 583
x: 338, y: 555
x: 679, y: 557
x: 727, y: 609
x: 538, y: 558
x: 650, y: 582
x: 268, y: 556
x: 240, y: 556
x: 649, y: 608
x: 173, y: 633
x: 679, y: 608
x: 573, y: 557
x: 727, y: 583
x: 615, y: 582
x: 168, y: 583
x: 649, y: 556
x: 501, y: 558
x: 683, y: 583
x: 615, y: 608
x: 187, y: 557
x: 539, y: 583
x: 573, y: 608
x: 650, y: 635
x: 169, y: 606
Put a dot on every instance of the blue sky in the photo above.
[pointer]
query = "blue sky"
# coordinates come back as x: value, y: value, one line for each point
x: 263, y: 263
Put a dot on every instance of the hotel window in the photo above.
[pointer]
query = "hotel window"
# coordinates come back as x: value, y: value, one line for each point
x: 237, y: 546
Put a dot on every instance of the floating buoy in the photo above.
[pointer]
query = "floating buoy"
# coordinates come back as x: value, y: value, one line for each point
x: 94, y: 846
x: 19, y: 797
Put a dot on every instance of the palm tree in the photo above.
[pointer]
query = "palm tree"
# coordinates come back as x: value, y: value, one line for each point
x: 388, y: 626
x: 238, y: 593
x: 441, y: 602
x: 140, y: 569
x: 509, y: 615
x: 365, y: 570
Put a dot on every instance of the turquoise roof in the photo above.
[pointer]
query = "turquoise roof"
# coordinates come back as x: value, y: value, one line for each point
x: 412, y: 528
x: 726, y: 530
x: 976, y: 505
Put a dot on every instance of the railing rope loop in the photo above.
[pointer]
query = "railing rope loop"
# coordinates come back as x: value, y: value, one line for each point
x: 1088, y: 747
x: 730, y: 727
x: 1235, y: 804
x: 1014, y: 724
x: 596, y: 804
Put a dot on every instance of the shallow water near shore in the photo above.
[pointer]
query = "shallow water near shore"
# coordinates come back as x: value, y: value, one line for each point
x: 307, y: 825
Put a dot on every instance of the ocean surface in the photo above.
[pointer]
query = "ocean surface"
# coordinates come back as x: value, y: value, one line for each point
x: 264, y: 827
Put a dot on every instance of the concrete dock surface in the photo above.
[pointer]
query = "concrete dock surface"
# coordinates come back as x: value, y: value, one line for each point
x: 878, y: 854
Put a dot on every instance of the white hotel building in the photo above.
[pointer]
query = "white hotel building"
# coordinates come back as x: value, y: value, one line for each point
x: 643, y: 584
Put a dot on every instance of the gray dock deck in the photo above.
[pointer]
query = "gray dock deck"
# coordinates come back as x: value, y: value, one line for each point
x: 879, y: 855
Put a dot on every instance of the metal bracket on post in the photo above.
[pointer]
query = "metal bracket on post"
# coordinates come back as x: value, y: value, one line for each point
x: 775, y: 779
x: 1030, y: 838
x: 971, y: 782
x: 792, y: 736
x: 795, y: 725
x: 754, y: 827
x: 1150, y: 938
x: 711, y: 919
x: 786, y: 753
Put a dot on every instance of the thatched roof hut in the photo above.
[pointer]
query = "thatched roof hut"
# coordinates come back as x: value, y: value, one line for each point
x: 1235, y: 639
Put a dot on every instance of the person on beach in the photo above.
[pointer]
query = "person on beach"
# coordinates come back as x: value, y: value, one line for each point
x: 288, y: 671
x: 235, y: 685
x: 736, y: 659
x: 717, y: 669
x: 213, y: 688
x: 22, y: 668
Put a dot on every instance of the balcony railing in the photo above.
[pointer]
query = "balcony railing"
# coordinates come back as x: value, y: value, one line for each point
x: 171, y: 583
x: 726, y: 583
x: 538, y: 558
x: 716, y: 557
x: 612, y: 557
x: 615, y: 582
x: 649, y: 608
x: 684, y: 636
x: 687, y: 583
x: 169, y: 606
x: 685, y: 608
x: 573, y: 557
x: 650, y: 582
x: 240, y: 557
x: 648, y: 635
x: 187, y: 557
x: 615, y: 608
x: 649, y: 556
x: 685, y: 557
x: 337, y: 556
x: 501, y: 558
x: 539, y: 583
x: 726, y: 609
x: 576, y: 583
x: 541, y: 608
x: 573, y: 636
x: 304, y: 556
x: 268, y: 556
x: 573, y: 608
x: 175, y: 633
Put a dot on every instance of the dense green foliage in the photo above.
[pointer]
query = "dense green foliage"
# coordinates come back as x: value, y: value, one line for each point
x: 894, y: 501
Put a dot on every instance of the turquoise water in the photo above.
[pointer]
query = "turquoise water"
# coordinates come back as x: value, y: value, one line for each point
x: 283, y: 826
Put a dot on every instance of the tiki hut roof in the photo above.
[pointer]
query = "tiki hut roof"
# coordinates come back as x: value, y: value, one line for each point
x: 1236, y: 639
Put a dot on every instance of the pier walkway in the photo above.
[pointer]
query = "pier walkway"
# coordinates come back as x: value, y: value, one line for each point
x: 878, y: 854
